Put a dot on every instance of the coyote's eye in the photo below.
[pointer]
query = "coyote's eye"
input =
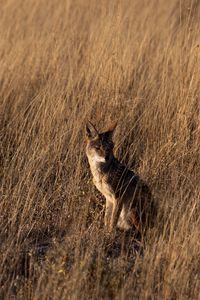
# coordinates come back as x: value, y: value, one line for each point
x: 97, y: 147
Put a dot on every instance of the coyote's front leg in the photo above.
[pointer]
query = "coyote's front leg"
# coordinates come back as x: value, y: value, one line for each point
x: 116, y: 210
x: 108, y: 213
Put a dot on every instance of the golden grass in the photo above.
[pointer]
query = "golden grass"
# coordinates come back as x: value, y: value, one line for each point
x: 61, y: 64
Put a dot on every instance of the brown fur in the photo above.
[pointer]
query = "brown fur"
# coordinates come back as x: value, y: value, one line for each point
x: 128, y: 198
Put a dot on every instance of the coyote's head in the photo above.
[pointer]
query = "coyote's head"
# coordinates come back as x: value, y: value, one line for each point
x: 99, y: 145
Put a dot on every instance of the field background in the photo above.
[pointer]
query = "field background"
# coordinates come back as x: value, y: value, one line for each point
x: 63, y: 63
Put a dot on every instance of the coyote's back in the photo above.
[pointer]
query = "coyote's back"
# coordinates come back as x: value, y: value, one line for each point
x: 128, y: 198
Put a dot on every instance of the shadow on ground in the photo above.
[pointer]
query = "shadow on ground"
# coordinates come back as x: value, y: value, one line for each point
x: 86, y: 251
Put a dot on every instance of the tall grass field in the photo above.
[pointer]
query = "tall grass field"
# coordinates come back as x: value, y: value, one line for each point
x: 63, y: 63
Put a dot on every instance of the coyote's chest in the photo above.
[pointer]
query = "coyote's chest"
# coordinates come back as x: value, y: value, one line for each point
x: 99, y: 179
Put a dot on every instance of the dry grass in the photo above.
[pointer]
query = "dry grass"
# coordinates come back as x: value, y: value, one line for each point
x: 62, y: 63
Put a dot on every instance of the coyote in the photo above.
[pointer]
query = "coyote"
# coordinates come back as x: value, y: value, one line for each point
x: 128, y: 198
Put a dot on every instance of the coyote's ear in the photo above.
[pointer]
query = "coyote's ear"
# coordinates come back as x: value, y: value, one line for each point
x: 110, y: 130
x: 91, y: 131
x: 112, y: 127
